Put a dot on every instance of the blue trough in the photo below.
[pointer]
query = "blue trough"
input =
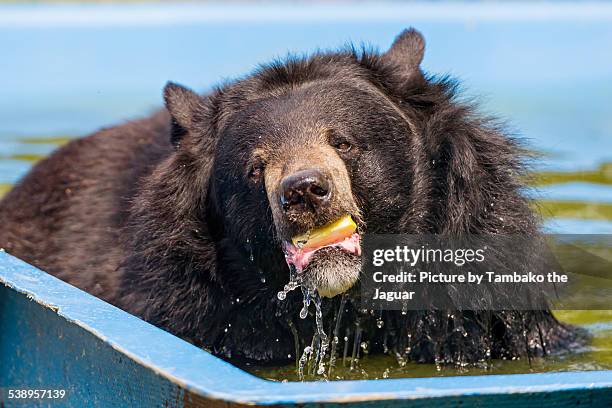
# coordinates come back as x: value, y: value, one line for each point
x: 55, y: 336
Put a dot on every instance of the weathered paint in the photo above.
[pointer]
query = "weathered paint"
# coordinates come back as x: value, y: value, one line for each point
x: 53, y: 335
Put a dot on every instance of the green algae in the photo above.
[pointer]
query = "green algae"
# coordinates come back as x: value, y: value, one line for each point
x: 4, y: 188
x: 574, y: 209
x: 601, y: 175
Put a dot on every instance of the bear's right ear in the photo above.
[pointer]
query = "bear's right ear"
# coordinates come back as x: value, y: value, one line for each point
x: 184, y: 106
x: 407, y: 52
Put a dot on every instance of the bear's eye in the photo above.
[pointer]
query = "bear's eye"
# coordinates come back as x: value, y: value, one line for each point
x: 338, y: 141
x: 256, y: 172
x: 343, y: 146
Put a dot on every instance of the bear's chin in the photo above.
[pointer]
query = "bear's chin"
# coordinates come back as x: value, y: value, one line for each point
x: 332, y: 271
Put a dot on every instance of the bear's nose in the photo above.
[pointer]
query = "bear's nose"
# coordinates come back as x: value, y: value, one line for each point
x: 305, y: 190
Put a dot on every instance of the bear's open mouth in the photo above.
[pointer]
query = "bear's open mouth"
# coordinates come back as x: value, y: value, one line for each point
x: 341, y: 235
x: 300, y: 257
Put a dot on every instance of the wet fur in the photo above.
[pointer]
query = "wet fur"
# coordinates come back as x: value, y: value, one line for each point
x: 130, y: 214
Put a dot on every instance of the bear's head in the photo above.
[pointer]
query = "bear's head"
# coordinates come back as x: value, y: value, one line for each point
x: 302, y: 143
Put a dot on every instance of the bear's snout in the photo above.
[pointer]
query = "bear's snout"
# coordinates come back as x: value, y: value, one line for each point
x: 305, y: 191
x: 308, y: 186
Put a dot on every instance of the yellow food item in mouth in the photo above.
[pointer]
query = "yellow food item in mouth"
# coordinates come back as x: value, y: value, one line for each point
x: 326, y: 235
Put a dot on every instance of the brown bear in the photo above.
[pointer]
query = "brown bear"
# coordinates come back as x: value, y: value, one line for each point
x: 181, y: 218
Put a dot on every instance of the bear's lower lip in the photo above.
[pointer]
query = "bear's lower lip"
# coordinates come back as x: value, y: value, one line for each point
x: 300, y: 257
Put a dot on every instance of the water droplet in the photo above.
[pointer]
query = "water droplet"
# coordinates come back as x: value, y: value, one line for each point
x: 306, y: 293
x: 295, y: 282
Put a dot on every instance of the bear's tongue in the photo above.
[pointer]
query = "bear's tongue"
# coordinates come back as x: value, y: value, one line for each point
x: 300, y: 257
x: 340, y: 234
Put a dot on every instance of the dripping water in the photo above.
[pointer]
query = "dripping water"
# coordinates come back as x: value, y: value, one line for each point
x: 323, y: 338
x: 346, y: 344
x: 334, y: 344
x: 296, y: 341
x: 250, y: 250
x: 380, y: 323
x: 313, y: 357
x: 306, y: 292
x: 303, y: 360
x: 320, y: 340
x: 295, y: 281
x: 356, y: 346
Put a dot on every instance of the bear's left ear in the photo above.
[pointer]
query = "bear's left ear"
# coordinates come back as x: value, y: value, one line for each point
x: 407, y: 52
x: 185, y: 107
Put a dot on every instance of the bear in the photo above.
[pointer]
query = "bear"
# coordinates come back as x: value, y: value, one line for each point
x: 183, y: 218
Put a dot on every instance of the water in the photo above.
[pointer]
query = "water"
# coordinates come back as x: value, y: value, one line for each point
x: 323, y: 337
x: 336, y: 339
x: 597, y: 356
x: 69, y: 69
x: 295, y: 281
x: 320, y: 340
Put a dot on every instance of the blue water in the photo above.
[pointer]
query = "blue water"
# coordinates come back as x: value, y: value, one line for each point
x: 68, y: 70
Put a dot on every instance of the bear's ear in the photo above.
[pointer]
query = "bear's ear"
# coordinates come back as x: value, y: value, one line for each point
x: 184, y: 106
x: 407, y: 52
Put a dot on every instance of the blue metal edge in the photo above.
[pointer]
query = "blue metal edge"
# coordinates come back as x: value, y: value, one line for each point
x: 203, y: 374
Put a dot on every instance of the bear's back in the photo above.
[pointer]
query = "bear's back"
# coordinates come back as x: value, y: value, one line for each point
x: 66, y: 215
